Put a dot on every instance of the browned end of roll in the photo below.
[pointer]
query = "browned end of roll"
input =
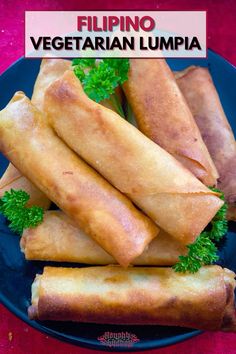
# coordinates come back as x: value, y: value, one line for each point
x: 33, y: 312
x: 50, y: 70
x: 33, y: 308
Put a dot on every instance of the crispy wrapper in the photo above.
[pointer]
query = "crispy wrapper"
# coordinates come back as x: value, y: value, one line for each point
x: 98, y: 208
x: 157, y: 296
x: 166, y: 191
x: 201, y: 95
x: 50, y: 70
x: 163, y: 115
x: 58, y: 239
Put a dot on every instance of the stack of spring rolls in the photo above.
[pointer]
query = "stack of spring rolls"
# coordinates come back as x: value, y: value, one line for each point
x: 126, y: 196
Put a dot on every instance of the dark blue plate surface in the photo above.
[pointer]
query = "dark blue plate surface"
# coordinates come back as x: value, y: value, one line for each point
x: 17, y: 275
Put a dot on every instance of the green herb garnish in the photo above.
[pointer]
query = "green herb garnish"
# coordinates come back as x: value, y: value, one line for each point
x: 100, y: 80
x: 204, y: 251
x: 13, y: 207
x: 121, y: 68
x: 219, y: 224
x: 83, y: 63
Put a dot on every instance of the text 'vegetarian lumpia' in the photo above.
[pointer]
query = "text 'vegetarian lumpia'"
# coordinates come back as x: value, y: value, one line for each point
x: 162, y: 114
x: 98, y: 208
x: 58, y: 239
x: 153, y: 179
x: 201, y: 95
x: 157, y: 296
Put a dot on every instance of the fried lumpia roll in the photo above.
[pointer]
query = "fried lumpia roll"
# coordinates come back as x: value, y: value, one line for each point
x: 160, y: 296
x: 50, y: 70
x: 98, y: 208
x: 13, y: 179
x: 201, y: 95
x: 58, y: 239
x: 162, y: 114
x: 166, y: 191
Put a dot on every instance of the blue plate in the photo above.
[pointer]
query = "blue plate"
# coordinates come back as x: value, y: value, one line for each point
x: 17, y: 275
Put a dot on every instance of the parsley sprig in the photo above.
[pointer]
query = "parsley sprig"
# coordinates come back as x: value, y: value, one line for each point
x: 13, y: 207
x: 100, y: 83
x: 204, y: 251
x: 100, y: 80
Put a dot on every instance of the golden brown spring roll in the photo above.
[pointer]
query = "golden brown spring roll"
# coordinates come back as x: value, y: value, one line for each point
x: 163, y: 115
x: 58, y: 239
x: 167, y: 192
x: 98, y: 208
x: 50, y: 70
x: 201, y: 95
x: 13, y: 179
x: 204, y: 300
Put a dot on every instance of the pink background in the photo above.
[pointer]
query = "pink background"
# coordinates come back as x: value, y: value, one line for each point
x: 15, y: 336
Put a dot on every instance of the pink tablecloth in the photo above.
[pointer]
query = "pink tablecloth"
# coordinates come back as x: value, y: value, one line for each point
x: 15, y: 336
